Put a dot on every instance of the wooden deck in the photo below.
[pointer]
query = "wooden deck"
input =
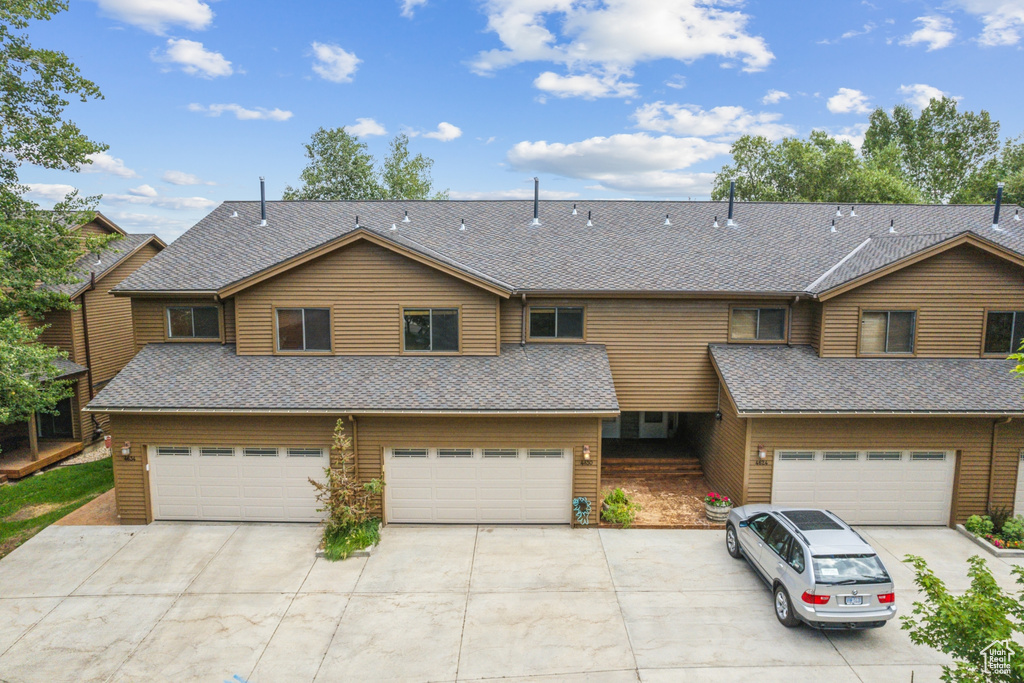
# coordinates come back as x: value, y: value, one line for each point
x: 19, y: 463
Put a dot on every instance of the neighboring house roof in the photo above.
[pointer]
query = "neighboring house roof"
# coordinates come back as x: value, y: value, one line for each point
x: 66, y: 368
x: 109, y: 258
x: 786, y: 380
x: 198, y: 378
x: 774, y: 248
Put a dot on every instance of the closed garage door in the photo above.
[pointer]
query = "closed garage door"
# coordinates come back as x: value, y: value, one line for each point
x: 868, y: 487
x: 478, y: 485
x: 235, y: 483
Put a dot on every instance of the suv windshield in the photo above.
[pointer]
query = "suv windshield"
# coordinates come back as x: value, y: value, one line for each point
x: 848, y: 569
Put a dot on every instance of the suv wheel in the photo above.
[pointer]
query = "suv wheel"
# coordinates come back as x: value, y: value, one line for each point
x: 784, y: 608
x: 732, y: 542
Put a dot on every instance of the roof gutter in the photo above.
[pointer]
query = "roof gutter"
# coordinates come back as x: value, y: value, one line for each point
x: 164, y: 292
x: 878, y: 413
x: 654, y: 294
x: 342, y: 411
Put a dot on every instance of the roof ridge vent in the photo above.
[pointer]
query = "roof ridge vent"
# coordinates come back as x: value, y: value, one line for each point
x: 406, y: 218
x: 667, y: 221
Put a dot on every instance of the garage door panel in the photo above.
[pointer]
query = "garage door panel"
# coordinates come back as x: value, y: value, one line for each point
x: 868, y: 490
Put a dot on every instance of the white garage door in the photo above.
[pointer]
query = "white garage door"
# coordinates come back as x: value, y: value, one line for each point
x: 868, y: 487
x: 235, y: 484
x: 478, y: 485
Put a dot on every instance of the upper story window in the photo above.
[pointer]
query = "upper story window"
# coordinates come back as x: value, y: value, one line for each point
x: 431, y: 330
x: 303, y: 329
x: 193, y: 322
x: 758, y: 324
x: 1004, y: 332
x: 556, y: 322
x: 887, y: 331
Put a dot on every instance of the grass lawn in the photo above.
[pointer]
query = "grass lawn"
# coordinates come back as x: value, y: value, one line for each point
x: 30, y: 505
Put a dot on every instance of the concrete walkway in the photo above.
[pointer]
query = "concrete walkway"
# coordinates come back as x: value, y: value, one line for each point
x: 179, y: 602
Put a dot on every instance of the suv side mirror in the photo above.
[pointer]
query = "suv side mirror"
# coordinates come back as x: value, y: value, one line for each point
x: 744, y: 523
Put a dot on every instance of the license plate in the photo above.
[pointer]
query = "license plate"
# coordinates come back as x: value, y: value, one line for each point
x: 855, y: 600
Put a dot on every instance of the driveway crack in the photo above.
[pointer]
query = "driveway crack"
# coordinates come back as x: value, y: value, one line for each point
x: 465, y: 609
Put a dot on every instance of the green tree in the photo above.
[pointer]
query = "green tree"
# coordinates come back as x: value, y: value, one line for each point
x: 940, y: 151
x: 962, y: 626
x: 341, y: 167
x: 38, y: 249
x: 818, y: 169
x: 1007, y: 167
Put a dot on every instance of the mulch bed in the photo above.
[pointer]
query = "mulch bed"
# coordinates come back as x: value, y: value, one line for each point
x: 666, y: 502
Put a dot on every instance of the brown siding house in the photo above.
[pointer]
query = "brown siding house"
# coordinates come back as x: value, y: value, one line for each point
x: 485, y: 364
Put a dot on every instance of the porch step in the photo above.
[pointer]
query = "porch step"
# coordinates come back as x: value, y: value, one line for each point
x: 685, y: 466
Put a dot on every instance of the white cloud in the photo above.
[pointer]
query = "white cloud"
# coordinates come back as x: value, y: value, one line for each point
x: 774, y: 97
x: 409, y: 7
x: 635, y: 162
x: 1002, y: 20
x: 182, y: 178
x: 848, y: 100
x: 853, y: 33
x: 723, y: 123
x: 936, y: 32
x: 445, y: 132
x: 168, y: 228
x: 920, y: 95
x: 519, y: 193
x: 334, y: 63
x: 853, y: 134
x: 102, y: 162
x: 52, y: 192
x: 177, y: 203
x: 194, y: 59
x: 606, y: 40
x: 156, y: 16
x: 241, y: 113
x: 587, y: 86
x: 143, y: 191
x: 678, y: 82
x: 365, y: 128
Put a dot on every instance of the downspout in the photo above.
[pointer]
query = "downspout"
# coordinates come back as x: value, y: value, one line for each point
x: 992, y: 460
x: 522, y: 325
x: 88, y: 356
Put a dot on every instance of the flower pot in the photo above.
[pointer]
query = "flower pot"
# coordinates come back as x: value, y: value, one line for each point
x: 717, y: 513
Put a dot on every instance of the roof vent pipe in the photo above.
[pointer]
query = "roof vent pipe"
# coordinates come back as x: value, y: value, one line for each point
x: 406, y: 218
x: 590, y: 223
x: 536, y: 201
x: 833, y: 225
x: 999, y: 203
x: 463, y: 225
x: 892, y: 226
x: 263, y: 203
x: 357, y: 221
x: 853, y: 211
x: 667, y: 221
x: 574, y: 211
x: 732, y: 196
x: 1016, y: 215
x: 839, y: 212
x: 715, y: 224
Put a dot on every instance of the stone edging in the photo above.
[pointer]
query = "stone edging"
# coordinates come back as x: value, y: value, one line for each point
x: 998, y: 552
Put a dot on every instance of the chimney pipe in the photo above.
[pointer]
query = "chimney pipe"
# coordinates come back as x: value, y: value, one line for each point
x: 263, y: 203
x: 999, y: 203
x: 732, y: 196
x: 536, y: 201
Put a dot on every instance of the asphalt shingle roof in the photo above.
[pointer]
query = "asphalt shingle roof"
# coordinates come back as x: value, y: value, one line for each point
x: 775, y: 247
x: 557, y: 378
x: 781, y: 379
x: 111, y: 256
x: 66, y: 368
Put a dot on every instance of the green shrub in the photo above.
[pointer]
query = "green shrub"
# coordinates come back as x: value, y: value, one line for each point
x: 619, y: 508
x: 340, y: 542
x: 1000, y: 515
x: 979, y: 525
x: 1013, y: 530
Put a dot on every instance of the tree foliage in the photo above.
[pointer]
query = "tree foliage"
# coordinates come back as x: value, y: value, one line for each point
x: 341, y: 167
x: 819, y: 169
x: 940, y: 150
x: 963, y: 626
x: 38, y: 249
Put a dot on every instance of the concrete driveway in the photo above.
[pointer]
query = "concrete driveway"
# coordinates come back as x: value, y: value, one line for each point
x: 177, y: 602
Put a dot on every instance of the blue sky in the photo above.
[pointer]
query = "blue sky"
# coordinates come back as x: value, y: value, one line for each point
x: 602, y: 100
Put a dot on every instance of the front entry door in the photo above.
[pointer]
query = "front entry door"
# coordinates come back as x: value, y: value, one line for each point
x: 56, y: 426
x: 653, y: 425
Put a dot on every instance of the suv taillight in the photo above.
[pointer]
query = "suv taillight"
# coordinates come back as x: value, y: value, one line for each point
x: 812, y: 599
x: 886, y: 597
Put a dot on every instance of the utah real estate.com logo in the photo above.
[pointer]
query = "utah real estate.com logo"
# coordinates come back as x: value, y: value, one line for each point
x: 997, y: 657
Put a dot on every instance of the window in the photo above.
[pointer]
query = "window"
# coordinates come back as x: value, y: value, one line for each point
x: 796, y: 455
x: 796, y: 559
x: 758, y: 324
x: 501, y: 453
x: 260, y: 452
x: 928, y: 455
x: 305, y: 452
x: 431, y: 329
x: 173, y: 451
x: 887, y: 331
x: 216, y: 452
x: 545, y: 453
x: 1004, y: 332
x: 303, y: 329
x: 762, y: 525
x: 556, y: 322
x: 193, y: 322
x: 840, y: 455
x: 777, y: 539
x: 409, y: 453
x: 884, y: 455
x: 455, y: 452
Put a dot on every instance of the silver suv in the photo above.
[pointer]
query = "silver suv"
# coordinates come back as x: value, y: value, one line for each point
x: 821, y: 571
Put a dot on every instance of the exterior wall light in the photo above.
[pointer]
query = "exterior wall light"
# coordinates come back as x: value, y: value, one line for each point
x: 761, y: 452
x: 586, y: 456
